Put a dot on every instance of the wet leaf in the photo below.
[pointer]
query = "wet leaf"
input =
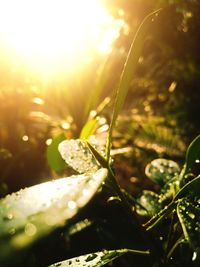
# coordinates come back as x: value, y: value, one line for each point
x: 192, y: 187
x: 169, y: 190
x: 78, y: 156
x: 32, y: 213
x: 149, y: 203
x: 54, y: 159
x: 193, y: 153
x: 157, y: 218
x: 96, y: 259
x: 89, y: 128
x: 188, y: 212
x: 161, y: 170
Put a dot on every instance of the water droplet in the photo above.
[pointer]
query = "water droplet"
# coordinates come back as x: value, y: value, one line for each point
x: 30, y: 229
x: 86, y: 192
x: 192, y: 216
x: 9, y: 216
x: 91, y: 257
x: 12, y: 231
x: 71, y: 204
x: 194, y: 256
x: 25, y: 138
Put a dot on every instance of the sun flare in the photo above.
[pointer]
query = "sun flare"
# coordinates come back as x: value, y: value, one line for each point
x: 55, y: 34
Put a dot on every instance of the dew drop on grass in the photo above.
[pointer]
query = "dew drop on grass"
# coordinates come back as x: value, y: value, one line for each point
x: 30, y: 229
x: 194, y: 256
x: 91, y: 257
x: 192, y: 215
x: 9, y: 216
x: 72, y: 204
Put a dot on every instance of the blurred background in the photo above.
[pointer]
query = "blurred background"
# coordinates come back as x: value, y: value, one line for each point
x: 60, y: 60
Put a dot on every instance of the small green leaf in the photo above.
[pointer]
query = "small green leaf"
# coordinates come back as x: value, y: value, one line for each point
x: 78, y: 156
x: 192, y: 154
x: 54, y: 159
x: 162, y: 170
x: 96, y: 259
x: 188, y: 212
x: 89, y: 128
x: 149, y: 203
x: 32, y: 213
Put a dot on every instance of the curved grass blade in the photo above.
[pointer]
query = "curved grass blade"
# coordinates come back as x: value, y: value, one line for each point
x: 180, y: 241
x: 99, y: 158
x: 96, y: 259
x: 192, y: 154
x: 32, y: 213
x: 156, y: 219
x: 127, y: 73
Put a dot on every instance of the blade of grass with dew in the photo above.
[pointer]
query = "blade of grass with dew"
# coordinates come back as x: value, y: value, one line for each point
x: 127, y: 73
x: 98, y: 259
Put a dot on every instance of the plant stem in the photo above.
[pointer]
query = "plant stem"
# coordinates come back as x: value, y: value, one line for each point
x: 128, y: 209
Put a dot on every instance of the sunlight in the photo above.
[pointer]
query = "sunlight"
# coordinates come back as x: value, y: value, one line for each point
x: 52, y: 35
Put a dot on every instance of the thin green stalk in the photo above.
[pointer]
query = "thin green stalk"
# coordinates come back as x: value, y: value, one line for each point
x: 129, y: 211
x: 133, y: 251
x: 127, y: 73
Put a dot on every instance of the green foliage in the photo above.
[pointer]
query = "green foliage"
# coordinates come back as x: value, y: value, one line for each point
x: 162, y: 170
x: 78, y: 156
x: 185, y: 204
x: 171, y: 207
x: 32, y: 213
x: 96, y: 259
x: 149, y: 203
x: 129, y: 69
x: 89, y: 128
x: 193, y: 154
x: 53, y: 156
x: 188, y: 211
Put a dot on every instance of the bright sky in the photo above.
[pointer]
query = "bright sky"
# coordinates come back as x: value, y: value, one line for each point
x: 52, y: 35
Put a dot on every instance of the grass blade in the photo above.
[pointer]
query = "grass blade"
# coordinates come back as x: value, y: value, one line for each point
x: 127, y: 74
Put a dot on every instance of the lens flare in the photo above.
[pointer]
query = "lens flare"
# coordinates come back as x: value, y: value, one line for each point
x: 56, y: 34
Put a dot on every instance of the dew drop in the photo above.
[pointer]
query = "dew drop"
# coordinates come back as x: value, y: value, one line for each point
x: 9, y: 216
x: 91, y: 257
x: 192, y: 216
x: 86, y: 192
x: 72, y: 205
x: 30, y: 229
x: 194, y: 256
